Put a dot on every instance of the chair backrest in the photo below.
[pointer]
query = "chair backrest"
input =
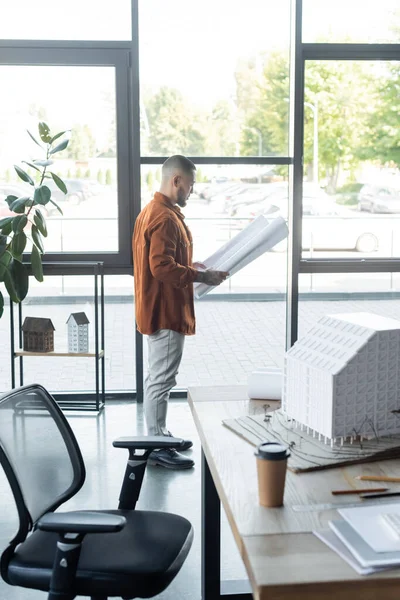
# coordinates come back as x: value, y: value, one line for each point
x: 39, y: 454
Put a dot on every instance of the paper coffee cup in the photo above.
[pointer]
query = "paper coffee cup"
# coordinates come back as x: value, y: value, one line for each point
x: 271, y: 472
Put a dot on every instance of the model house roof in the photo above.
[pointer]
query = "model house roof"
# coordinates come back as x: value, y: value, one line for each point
x: 336, y: 339
x: 80, y: 318
x: 37, y: 324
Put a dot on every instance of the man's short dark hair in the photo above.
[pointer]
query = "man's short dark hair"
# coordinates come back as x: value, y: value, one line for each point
x: 178, y: 162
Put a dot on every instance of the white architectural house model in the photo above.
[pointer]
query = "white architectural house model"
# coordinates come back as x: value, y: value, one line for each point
x: 342, y: 379
x: 78, y: 332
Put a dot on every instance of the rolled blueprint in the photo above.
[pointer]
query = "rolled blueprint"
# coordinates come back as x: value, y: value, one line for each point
x: 265, y: 384
x: 250, y: 243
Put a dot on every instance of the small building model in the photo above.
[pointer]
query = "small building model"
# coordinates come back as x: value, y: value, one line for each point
x: 342, y: 379
x: 38, y: 335
x: 78, y: 332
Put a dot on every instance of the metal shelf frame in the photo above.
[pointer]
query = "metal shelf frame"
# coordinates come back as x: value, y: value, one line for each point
x: 74, y: 402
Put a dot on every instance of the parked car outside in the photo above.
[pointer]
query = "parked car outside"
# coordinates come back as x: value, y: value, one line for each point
x: 379, y: 199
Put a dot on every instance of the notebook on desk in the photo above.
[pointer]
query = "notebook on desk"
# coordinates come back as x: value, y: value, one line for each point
x: 367, y: 522
x: 366, y: 556
x: 329, y: 538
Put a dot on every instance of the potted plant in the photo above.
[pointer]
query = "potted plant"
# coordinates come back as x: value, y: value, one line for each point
x: 28, y: 221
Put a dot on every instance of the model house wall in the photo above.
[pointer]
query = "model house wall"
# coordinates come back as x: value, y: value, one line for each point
x: 342, y: 379
x: 78, y: 332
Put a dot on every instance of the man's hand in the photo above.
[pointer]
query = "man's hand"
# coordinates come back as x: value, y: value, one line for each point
x: 211, y: 277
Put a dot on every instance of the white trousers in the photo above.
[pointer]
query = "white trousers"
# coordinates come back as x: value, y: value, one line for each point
x: 165, y: 349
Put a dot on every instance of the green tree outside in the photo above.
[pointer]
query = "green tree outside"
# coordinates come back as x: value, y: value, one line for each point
x: 82, y: 145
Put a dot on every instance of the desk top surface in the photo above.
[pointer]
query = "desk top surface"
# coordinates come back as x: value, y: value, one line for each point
x: 276, y: 544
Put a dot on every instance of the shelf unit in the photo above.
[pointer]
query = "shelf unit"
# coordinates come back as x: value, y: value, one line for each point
x: 98, y: 355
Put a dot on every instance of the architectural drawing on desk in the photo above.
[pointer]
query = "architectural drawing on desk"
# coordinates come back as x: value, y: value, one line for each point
x: 342, y: 379
x: 78, y: 332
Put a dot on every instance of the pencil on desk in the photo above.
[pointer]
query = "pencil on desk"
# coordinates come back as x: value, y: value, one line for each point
x: 361, y: 491
x: 378, y: 478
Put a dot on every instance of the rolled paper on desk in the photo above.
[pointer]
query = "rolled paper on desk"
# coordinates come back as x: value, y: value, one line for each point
x: 265, y: 384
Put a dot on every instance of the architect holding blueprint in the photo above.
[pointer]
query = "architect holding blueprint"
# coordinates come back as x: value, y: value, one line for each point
x: 165, y: 276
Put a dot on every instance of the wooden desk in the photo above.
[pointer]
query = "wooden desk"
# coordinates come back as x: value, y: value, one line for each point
x: 283, y: 559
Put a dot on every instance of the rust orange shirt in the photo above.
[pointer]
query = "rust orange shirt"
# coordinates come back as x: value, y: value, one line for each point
x: 163, y: 274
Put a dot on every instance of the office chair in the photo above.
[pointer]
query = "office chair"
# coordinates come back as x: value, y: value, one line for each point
x: 126, y: 553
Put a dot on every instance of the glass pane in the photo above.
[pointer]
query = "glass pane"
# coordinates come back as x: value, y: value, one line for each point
x: 218, y: 86
x: 351, y: 199
x: 58, y: 297
x: 332, y: 293
x: 88, y: 166
x: 362, y: 21
x: 74, y: 20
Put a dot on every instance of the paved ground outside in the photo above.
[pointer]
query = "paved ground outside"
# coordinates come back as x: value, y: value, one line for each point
x: 233, y: 339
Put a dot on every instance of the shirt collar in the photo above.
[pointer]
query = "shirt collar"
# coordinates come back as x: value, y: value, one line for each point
x: 158, y: 197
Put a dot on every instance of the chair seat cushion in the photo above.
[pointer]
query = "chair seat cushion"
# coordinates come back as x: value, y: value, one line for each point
x: 141, y: 560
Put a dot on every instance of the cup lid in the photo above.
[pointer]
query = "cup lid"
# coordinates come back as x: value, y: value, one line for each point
x: 272, y: 451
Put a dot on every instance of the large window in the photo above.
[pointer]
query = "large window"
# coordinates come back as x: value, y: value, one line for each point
x: 214, y: 84
x: 351, y: 199
x: 214, y: 79
x: 86, y: 106
x: 87, y: 93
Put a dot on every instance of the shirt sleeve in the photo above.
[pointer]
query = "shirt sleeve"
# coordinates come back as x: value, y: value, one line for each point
x: 163, y: 266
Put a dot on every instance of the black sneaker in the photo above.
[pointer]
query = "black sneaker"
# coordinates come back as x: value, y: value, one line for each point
x: 186, y: 443
x: 170, y: 459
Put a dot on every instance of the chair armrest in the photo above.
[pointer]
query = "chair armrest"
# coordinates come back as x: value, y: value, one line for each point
x: 81, y: 522
x: 148, y: 442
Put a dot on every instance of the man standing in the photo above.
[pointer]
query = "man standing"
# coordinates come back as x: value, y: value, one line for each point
x: 164, y: 303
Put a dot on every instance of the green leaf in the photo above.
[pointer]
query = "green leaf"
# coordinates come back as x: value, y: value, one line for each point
x: 10, y: 199
x: 19, y: 205
x: 44, y: 163
x: 44, y: 132
x: 5, y: 260
x: 1, y: 305
x: 7, y: 228
x: 3, y: 243
x: 37, y: 267
x: 37, y: 238
x: 55, y: 137
x: 59, y: 183
x: 24, y: 175
x: 19, y: 223
x: 16, y: 281
x: 60, y: 147
x: 57, y: 207
x: 31, y: 165
x: 6, y: 221
x: 35, y: 140
x: 42, y: 195
x: 40, y: 223
x: 18, y: 244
